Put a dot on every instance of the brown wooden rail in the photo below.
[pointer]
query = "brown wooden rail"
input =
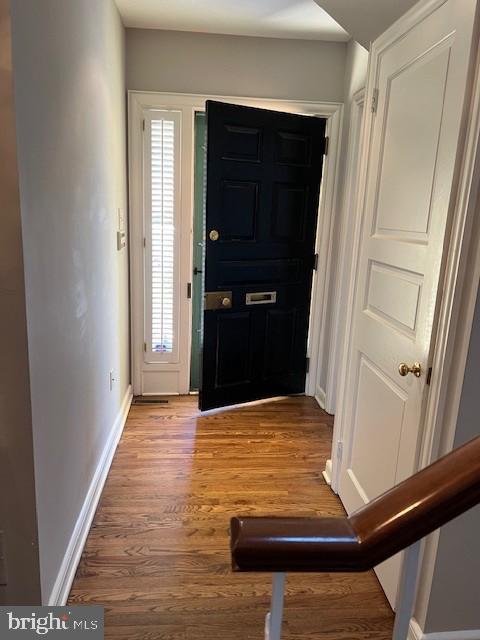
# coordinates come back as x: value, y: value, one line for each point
x: 388, y: 524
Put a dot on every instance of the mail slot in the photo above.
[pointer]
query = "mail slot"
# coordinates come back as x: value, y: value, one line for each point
x: 264, y: 297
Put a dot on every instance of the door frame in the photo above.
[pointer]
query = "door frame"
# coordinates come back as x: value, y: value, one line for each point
x: 140, y: 101
x: 457, y: 293
x: 345, y: 239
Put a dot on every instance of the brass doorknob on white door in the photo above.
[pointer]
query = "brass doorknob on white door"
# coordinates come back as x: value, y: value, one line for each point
x: 404, y: 369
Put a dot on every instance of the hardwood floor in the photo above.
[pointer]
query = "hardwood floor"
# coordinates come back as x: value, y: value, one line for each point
x: 157, y: 556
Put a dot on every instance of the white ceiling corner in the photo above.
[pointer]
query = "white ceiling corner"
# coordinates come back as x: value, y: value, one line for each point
x: 297, y: 19
x: 365, y: 20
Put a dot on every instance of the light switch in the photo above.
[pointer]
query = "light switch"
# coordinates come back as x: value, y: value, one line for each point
x: 121, y: 240
x: 121, y: 233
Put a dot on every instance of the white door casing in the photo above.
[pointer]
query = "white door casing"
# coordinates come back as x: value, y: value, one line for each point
x: 156, y: 377
x: 345, y: 235
x: 419, y: 80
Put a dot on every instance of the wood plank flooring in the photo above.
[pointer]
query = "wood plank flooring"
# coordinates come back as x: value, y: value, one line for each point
x: 157, y: 556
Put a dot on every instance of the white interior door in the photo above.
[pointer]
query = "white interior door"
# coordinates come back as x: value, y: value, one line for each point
x: 420, y: 80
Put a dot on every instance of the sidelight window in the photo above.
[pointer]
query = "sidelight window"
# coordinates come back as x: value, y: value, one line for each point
x: 162, y: 216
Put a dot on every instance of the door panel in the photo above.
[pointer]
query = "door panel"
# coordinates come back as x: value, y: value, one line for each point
x: 263, y: 182
x: 233, y: 331
x: 403, y: 207
x: 421, y: 80
x: 239, y: 210
x: 376, y: 389
x: 393, y: 296
x: 280, y: 328
x: 259, y: 272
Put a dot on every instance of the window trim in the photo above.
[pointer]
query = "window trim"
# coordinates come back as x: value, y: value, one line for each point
x: 150, y: 356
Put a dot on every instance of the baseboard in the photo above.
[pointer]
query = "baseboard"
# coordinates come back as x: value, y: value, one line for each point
x: 320, y: 397
x: 63, y: 583
x: 416, y: 633
x: 327, y: 472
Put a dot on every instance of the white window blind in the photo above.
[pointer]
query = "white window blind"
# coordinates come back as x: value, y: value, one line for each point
x: 162, y: 188
x: 163, y: 234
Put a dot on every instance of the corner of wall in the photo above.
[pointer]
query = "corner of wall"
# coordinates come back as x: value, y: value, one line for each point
x: 61, y: 588
x: 18, y: 522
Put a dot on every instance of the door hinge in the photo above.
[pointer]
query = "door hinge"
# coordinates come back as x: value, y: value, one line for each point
x: 189, y: 290
x: 375, y: 101
x: 339, y: 450
x: 315, y: 262
x: 327, y: 144
x: 144, y: 243
x: 143, y: 124
x: 307, y: 364
x: 145, y: 347
x: 429, y: 375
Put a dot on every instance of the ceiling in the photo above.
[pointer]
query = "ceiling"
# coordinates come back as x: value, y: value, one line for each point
x: 365, y: 20
x: 299, y: 19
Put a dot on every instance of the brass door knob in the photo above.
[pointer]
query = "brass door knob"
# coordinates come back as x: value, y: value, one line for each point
x: 226, y: 302
x: 404, y: 369
x: 213, y: 235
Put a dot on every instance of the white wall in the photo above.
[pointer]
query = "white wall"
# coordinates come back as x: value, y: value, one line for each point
x: 454, y: 599
x: 70, y: 101
x: 184, y: 62
x: 18, y: 522
x: 354, y: 80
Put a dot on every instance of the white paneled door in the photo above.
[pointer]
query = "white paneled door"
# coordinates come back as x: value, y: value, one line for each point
x: 419, y: 72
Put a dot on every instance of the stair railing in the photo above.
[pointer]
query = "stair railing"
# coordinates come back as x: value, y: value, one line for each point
x: 397, y: 519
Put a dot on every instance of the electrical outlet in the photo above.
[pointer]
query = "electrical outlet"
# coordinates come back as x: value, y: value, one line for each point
x: 3, y: 562
x: 111, y: 379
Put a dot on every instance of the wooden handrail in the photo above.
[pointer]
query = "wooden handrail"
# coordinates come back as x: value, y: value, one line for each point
x: 388, y: 524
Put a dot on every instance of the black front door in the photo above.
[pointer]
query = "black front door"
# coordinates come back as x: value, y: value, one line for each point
x: 263, y: 182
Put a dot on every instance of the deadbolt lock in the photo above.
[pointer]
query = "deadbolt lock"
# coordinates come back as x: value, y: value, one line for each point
x: 217, y: 300
x: 213, y: 235
x: 404, y: 369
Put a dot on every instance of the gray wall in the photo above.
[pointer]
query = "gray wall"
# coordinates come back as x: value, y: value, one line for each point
x: 454, y: 598
x: 184, y: 62
x: 17, y: 489
x: 70, y: 99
